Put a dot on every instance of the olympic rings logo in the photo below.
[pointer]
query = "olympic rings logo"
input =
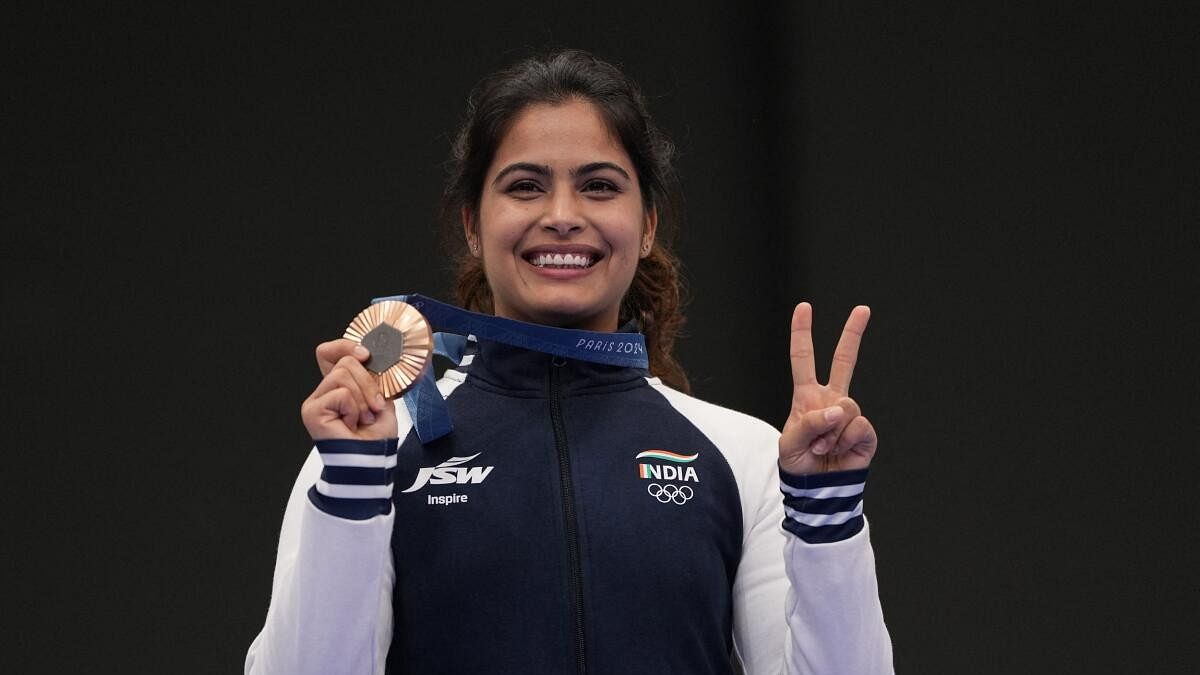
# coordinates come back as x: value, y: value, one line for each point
x: 670, y: 493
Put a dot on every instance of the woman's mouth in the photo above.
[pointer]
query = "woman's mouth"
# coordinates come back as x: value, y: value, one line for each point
x: 561, y: 260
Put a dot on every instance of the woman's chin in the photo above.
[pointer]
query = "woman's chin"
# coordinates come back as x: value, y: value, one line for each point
x: 569, y: 315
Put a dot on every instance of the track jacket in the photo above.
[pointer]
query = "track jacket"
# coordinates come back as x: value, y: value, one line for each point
x: 581, y: 518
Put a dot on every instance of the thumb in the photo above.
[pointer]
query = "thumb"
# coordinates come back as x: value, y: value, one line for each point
x: 808, y: 428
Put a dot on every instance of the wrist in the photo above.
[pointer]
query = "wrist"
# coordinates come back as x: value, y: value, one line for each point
x: 825, y: 507
x: 356, y: 481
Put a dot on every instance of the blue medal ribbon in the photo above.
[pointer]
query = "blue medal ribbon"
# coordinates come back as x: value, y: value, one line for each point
x: 452, y: 325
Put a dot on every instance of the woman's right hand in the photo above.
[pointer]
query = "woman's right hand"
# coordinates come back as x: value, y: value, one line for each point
x: 347, y: 403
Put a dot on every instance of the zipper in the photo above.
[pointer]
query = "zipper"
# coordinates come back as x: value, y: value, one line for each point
x: 568, y: 506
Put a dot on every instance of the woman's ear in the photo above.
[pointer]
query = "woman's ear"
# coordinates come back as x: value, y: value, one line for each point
x: 648, y: 230
x: 470, y: 231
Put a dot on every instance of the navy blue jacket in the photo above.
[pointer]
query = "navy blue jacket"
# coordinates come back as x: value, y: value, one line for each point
x: 562, y: 551
x: 580, y: 518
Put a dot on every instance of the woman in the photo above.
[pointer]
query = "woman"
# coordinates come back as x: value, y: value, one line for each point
x: 581, y: 517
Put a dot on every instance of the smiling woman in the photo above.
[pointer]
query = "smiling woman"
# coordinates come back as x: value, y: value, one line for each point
x: 585, y: 96
x: 561, y: 224
x: 581, y: 517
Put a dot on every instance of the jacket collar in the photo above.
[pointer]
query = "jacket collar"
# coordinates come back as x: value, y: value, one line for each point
x: 514, y: 369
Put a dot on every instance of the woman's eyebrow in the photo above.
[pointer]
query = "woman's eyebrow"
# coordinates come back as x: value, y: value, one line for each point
x: 538, y: 169
x: 597, y: 166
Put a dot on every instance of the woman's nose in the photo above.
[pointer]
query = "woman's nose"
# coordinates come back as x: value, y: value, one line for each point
x: 563, y: 213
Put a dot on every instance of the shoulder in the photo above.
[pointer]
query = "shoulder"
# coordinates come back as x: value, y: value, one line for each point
x: 749, y: 446
x: 732, y: 431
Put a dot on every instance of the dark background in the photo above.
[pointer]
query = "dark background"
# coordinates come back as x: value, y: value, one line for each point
x: 194, y: 198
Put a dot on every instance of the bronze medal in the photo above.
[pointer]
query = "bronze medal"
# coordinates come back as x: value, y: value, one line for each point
x: 400, y: 342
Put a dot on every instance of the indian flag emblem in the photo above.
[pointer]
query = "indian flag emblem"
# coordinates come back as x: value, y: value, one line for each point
x: 667, y: 455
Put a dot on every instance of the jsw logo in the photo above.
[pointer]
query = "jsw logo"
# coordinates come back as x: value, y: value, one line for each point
x: 448, y: 472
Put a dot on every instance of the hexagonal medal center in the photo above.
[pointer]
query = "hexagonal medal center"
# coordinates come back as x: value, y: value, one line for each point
x: 386, y: 345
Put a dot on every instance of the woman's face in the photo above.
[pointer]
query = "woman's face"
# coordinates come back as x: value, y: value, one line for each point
x: 561, y: 221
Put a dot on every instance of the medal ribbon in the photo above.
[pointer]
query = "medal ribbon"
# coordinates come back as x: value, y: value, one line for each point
x: 452, y: 325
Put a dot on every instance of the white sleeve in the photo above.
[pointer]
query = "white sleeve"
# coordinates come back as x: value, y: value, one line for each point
x: 331, y: 598
x: 826, y: 592
x: 835, y: 620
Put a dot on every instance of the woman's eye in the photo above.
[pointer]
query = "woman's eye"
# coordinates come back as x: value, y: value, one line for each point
x: 600, y: 186
x: 524, y: 186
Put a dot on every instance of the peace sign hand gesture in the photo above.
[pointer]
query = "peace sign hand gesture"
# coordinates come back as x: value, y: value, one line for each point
x: 825, y: 430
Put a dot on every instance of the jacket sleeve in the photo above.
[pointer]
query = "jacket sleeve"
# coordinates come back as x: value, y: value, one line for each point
x: 330, y: 608
x: 806, y: 599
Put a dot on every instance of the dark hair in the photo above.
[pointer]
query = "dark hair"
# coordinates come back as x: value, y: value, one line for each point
x: 655, y: 296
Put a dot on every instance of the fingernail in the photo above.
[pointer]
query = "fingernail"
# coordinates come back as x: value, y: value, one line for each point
x: 834, y: 413
x: 380, y: 401
x: 818, y: 447
x: 369, y: 417
x: 361, y: 352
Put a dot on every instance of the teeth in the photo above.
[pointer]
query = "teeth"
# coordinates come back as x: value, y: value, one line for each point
x: 561, y: 260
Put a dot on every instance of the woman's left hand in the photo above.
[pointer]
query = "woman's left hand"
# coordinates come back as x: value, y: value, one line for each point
x: 825, y: 430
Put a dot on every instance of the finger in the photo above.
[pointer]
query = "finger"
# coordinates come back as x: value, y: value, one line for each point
x: 822, y: 445
x: 320, y: 410
x: 329, y: 353
x: 341, y: 378
x: 846, y: 354
x: 352, y: 374
x: 852, y: 411
x: 804, y: 366
x: 858, y: 436
x: 828, y: 441
x: 814, y: 425
x: 340, y: 404
x: 367, y: 382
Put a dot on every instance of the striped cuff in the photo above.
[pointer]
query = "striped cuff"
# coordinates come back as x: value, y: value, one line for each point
x: 356, y: 482
x: 823, y: 507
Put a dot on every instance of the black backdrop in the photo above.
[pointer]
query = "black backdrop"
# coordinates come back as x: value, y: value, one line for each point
x: 194, y: 198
